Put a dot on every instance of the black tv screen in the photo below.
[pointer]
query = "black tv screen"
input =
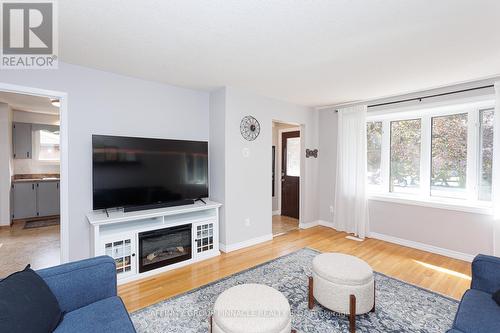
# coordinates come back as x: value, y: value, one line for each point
x: 134, y: 172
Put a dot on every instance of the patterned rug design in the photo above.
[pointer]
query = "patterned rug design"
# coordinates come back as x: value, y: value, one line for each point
x: 41, y: 223
x: 400, y: 307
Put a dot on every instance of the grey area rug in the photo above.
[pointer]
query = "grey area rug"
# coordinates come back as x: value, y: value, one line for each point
x: 400, y: 307
x: 41, y: 223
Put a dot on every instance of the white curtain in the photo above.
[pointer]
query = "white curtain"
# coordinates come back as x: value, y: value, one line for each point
x: 351, y: 208
x: 496, y: 174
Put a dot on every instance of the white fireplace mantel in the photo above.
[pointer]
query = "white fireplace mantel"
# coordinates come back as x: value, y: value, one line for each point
x: 116, y: 233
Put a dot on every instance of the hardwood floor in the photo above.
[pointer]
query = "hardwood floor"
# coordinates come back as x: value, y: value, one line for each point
x: 283, y: 224
x: 438, y: 273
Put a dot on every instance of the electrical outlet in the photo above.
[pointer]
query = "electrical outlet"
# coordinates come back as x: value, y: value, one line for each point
x: 245, y: 152
x: 247, y: 222
x: 331, y: 209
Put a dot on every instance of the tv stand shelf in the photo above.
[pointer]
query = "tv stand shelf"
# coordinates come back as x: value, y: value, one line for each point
x: 118, y: 234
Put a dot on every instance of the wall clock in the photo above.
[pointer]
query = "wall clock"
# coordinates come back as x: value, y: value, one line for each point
x: 249, y: 128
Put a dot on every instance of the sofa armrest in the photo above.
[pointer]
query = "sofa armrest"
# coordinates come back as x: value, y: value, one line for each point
x: 81, y: 283
x: 486, y: 273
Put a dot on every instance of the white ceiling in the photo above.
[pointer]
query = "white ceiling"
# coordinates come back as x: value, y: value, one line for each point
x: 307, y: 52
x: 28, y: 103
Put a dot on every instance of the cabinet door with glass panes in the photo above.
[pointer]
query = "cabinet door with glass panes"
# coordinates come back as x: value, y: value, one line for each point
x: 204, y: 235
x: 122, y: 250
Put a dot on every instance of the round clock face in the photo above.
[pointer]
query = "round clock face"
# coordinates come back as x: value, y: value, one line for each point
x: 249, y: 128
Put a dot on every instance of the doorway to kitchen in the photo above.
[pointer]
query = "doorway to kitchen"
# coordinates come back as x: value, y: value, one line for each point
x: 30, y: 182
x: 286, y: 150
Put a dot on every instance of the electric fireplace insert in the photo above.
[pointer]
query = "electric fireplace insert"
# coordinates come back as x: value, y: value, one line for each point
x: 164, y: 247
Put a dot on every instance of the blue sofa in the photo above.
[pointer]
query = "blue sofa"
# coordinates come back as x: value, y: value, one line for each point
x: 86, y: 292
x: 478, y: 312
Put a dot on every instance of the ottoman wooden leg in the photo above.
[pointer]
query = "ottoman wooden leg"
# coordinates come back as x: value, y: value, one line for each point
x: 352, y: 313
x: 210, y: 324
x: 373, y: 309
x: 311, y: 295
x: 294, y: 331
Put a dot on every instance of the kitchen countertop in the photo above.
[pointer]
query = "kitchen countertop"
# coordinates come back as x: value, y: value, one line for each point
x: 28, y: 180
x: 35, y: 177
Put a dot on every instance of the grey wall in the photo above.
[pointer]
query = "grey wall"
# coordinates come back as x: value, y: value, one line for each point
x: 327, y: 166
x: 105, y: 103
x: 248, y: 179
x: 454, y: 230
x: 464, y: 232
x: 217, y: 154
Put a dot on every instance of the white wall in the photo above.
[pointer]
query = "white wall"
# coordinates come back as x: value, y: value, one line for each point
x: 32, y: 165
x: 5, y: 162
x: 105, y: 103
x: 35, y: 118
x: 457, y: 231
x: 248, y: 179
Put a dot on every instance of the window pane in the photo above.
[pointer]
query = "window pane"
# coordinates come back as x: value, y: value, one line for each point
x: 449, y: 156
x: 293, y: 157
x: 374, y: 152
x: 486, y: 154
x: 48, y: 149
x: 405, y: 156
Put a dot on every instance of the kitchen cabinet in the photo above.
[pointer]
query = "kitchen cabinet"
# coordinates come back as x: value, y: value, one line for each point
x: 35, y: 199
x: 24, y: 197
x: 47, y: 198
x: 21, y: 140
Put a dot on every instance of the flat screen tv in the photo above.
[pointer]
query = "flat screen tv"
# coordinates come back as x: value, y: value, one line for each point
x: 140, y: 173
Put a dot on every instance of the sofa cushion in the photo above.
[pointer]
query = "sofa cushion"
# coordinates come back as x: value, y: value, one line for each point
x: 80, y: 283
x: 27, y: 304
x: 477, y: 313
x: 496, y: 296
x: 107, y: 315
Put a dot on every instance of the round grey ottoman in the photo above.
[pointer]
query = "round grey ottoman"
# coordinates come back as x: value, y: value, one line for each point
x: 251, y: 308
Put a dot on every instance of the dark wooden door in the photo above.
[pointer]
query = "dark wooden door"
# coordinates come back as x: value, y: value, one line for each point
x: 290, y: 173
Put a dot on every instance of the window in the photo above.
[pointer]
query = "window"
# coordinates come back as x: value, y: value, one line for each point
x: 405, y: 156
x: 374, y: 149
x: 432, y: 155
x: 449, y: 156
x: 293, y: 157
x: 485, y: 153
x: 47, y: 145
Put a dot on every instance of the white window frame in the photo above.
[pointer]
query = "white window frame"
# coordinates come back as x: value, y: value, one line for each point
x: 469, y: 204
x: 36, y: 149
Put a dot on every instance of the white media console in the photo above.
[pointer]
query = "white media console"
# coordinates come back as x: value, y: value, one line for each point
x: 117, y: 234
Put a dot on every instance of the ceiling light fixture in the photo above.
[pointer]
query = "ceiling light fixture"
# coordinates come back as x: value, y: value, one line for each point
x: 56, y: 102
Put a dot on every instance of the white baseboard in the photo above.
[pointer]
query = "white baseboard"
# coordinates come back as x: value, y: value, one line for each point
x: 423, y: 247
x: 316, y: 223
x: 276, y: 212
x: 308, y: 224
x: 236, y: 246
x: 326, y: 223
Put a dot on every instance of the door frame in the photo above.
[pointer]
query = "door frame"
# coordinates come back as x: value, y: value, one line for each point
x: 279, y: 166
x: 63, y: 128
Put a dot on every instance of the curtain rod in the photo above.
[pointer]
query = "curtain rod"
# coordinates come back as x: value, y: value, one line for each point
x: 428, y: 96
